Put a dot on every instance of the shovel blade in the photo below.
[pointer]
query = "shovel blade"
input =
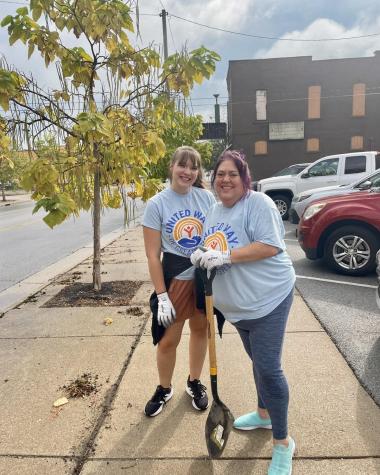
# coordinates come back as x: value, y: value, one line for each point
x: 218, y: 427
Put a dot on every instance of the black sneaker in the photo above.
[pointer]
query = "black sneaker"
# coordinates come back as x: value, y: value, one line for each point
x: 197, y: 391
x: 159, y: 398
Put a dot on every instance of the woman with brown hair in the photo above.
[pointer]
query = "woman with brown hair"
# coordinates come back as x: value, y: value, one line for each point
x: 173, y: 225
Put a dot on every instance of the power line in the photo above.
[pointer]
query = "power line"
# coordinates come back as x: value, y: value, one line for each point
x: 272, y: 37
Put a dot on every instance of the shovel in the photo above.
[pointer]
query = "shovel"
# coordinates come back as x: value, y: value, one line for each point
x: 219, y: 421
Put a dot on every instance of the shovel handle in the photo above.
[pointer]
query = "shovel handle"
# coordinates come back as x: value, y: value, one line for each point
x: 207, y: 282
x: 211, y: 335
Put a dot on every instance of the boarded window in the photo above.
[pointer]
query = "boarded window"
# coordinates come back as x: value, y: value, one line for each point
x: 358, y: 100
x: 313, y: 145
x: 261, y: 147
x: 314, y: 102
x: 261, y: 105
x: 357, y: 142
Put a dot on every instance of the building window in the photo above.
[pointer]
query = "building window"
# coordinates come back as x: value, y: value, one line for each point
x: 357, y: 142
x: 314, y: 102
x: 313, y: 145
x: 358, y: 100
x: 261, y: 105
x: 261, y: 147
x: 356, y: 164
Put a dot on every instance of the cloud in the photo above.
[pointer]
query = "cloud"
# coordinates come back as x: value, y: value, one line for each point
x: 327, y: 28
x: 218, y: 13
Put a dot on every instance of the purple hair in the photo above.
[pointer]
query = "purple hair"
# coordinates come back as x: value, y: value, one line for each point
x: 238, y: 158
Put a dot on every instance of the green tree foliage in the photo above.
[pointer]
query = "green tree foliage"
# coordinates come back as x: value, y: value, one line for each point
x: 125, y: 95
x: 12, y: 165
x: 182, y: 130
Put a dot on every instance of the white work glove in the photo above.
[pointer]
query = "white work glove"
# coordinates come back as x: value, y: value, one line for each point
x: 211, y: 259
x: 196, y: 257
x: 166, y: 312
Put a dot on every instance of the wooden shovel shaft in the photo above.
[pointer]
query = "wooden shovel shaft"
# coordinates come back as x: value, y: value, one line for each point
x: 211, y: 335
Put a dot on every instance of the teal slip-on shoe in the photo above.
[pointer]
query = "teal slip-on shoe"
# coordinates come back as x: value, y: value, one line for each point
x: 282, y: 457
x: 252, y: 421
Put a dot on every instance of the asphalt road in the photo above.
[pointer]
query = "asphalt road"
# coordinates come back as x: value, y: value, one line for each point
x: 29, y: 245
x: 346, y: 307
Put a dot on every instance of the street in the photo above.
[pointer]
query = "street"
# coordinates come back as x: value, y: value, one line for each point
x: 346, y: 308
x: 29, y: 245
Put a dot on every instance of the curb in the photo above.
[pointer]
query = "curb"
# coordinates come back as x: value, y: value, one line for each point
x: 11, y: 201
x: 18, y: 293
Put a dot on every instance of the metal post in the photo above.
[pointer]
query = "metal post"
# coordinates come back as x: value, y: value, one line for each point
x: 217, y: 109
x: 163, y: 15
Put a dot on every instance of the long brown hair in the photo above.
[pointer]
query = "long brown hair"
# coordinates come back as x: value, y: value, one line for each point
x: 182, y: 155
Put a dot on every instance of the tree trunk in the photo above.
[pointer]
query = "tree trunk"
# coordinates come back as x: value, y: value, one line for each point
x: 3, y: 192
x: 96, y: 277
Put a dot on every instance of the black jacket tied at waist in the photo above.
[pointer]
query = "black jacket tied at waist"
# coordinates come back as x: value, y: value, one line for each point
x: 173, y: 265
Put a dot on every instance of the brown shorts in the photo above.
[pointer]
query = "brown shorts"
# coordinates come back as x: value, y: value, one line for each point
x: 182, y: 295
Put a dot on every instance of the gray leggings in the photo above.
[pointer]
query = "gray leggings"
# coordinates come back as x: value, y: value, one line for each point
x: 263, y: 340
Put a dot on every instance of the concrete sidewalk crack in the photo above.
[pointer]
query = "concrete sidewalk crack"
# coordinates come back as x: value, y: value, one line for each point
x: 108, y: 400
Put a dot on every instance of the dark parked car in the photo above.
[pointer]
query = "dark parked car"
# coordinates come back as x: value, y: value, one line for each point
x: 344, y: 231
x: 290, y: 170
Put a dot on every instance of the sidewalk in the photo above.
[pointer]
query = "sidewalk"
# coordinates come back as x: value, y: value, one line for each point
x: 14, y: 198
x: 335, y: 423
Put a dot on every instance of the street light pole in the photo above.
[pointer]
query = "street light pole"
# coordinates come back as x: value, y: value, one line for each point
x: 217, y: 109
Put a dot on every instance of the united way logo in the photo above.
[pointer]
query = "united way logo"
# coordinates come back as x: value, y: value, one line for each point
x: 188, y: 232
x: 217, y: 241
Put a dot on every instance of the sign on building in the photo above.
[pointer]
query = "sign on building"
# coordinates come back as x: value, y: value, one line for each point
x: 287, y: 131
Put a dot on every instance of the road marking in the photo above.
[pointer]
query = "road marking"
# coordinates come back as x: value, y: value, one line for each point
x: 336, y: 282
x: 293, y: 240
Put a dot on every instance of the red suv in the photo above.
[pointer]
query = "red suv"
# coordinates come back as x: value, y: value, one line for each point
x: 343, y: 230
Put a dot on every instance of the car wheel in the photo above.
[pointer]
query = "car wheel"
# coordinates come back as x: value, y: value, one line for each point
x: 351, y: 250
x: 283, y: 204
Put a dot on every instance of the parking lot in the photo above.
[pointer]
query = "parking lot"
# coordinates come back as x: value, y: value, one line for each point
x: 346, y: 308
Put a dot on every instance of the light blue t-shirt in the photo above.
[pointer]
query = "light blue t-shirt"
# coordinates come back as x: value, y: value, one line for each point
x: 252, y: 289
x: 179, y: 218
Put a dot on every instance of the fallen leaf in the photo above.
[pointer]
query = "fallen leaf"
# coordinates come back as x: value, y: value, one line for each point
x: 107, y: 321
x: 60, y: 402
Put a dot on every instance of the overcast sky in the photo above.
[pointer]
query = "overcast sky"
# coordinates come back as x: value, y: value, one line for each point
x: 296, y: 19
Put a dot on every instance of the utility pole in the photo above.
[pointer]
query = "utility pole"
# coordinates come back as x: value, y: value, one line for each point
x: 217, y: 109
x: 163, y: 15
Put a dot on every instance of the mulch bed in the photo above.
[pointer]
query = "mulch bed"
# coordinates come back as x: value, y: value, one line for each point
x: 113, y: 294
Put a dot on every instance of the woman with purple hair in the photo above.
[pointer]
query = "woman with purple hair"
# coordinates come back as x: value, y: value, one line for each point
x: 253, y: 289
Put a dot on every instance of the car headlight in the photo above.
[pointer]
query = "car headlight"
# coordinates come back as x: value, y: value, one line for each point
x: 313, y: 210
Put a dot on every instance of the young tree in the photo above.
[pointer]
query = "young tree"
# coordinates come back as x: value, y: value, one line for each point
x: 125, y: 98
x: 6, y: 164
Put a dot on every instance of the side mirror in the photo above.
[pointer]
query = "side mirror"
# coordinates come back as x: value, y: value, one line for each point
x: 365, y: 185
x: 305, y: 175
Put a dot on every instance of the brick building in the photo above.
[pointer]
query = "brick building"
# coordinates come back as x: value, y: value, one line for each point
x: 290, y: 110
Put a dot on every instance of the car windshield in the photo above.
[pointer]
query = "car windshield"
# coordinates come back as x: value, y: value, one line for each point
x: 291, y: 170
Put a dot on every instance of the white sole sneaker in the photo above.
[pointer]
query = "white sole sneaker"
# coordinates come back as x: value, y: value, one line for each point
x: 166, y: 398
x: 269, y: 427
x: 190, y: 393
